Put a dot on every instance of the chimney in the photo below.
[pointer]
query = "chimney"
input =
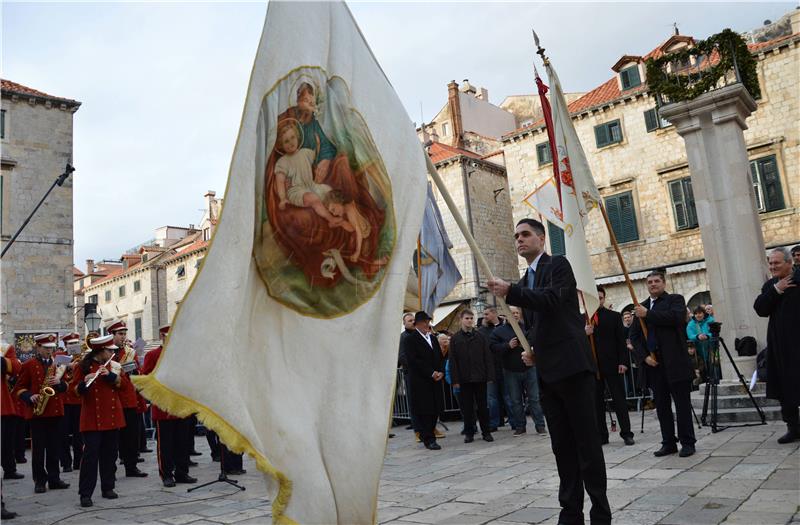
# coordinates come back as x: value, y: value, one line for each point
x: 210, y: 197
x: 794, y: 20
x: 454, y: 105
x: 89, y: 266
x: 484, y: 94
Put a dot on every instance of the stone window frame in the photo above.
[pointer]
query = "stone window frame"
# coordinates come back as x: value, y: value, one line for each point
x: 137, y: 286
x: 138, y: 331
x: 180, y: 271
x: 121, y: 291
x: 608, y: 124
x: 544, y: 156
x: 445, y: 125
x: 107, y: 296
x: 622, y: 78
x: 754, y: 160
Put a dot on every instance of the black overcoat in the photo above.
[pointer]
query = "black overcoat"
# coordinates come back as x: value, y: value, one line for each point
x: 783, y: 341
x: 555, y: 324
x: 427, y: 395
x: 609, y: 342
x: 666, y: 321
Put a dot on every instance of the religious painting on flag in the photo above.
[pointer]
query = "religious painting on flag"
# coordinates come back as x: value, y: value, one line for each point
x: 325, y: 228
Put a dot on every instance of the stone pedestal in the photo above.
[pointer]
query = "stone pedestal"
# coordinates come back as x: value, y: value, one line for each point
x: 712, y: 127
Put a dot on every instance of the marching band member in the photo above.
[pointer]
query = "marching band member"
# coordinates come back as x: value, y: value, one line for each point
x: 129, y: 435
x: 38, y: 384
x: 101, y: 418
x: 173, y: 449
x: 72, y: 445
x: 10, y: 366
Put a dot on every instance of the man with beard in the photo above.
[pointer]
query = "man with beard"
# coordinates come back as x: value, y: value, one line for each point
x: 548, y: 296
x: 780, y: 301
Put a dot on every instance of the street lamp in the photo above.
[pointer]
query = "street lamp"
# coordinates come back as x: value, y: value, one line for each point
x: 91, y: 317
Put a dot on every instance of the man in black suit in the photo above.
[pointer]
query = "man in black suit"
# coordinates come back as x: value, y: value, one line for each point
x: 612, y: 359
x: 669, y: 369
x: 548, y: 296
x: 425, y: 374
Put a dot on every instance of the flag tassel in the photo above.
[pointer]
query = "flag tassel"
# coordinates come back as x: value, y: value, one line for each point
x: 484, y: 265
x: 624, y: 269
x: 181, y: 406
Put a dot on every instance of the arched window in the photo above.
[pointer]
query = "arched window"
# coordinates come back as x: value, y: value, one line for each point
x: 698, y: 299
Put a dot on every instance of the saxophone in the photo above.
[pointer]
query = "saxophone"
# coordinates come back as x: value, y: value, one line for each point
x: 46, y: 391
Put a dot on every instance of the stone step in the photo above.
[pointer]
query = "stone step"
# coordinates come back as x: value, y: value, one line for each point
x: 748, y: 415
x: 735, y: 401
x: 732, y: 389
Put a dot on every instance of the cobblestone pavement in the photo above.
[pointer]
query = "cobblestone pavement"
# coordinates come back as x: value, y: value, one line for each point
x: 739, y: 476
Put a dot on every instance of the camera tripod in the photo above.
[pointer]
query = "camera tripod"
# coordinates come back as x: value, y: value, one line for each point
x: 715, y: 374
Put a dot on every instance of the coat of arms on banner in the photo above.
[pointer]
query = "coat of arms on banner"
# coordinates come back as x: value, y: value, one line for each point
x: 325, y: 227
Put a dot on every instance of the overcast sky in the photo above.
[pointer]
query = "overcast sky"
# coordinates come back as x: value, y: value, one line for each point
x: 163, y: 84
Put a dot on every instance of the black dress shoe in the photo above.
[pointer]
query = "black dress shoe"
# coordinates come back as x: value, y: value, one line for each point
x: 7, y: 514
x: 135, y: 473
x: 110, y: 494
x: 185, y: 479
x: 13, y: 475
x: 236, y: 472
x: 39, y: 489
x: 604, y: 440
x: 139, y: 460
x: 21, y: 460
x: 192, y: 463
x: 145, y: 450
x: 58, y: 484
x: 629, y: 441
x: 540, y: 429
x: 66, y: 468
x: 789, y: 437
x: 488, y: 437
x: 169, y: 482
x: 686, y: 451
x: 86, y: 501
x: 433, y: 446
x: 469, y: 438
x: 195, y: 453
x: 215, y: 459
x: 665, y: 450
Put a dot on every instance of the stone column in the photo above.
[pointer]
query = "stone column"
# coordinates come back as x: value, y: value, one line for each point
x: 712, y: 127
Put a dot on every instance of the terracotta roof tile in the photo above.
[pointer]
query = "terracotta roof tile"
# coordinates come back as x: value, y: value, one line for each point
x: 12, y: 87
x: 440, y: 152
x: 187, y: 250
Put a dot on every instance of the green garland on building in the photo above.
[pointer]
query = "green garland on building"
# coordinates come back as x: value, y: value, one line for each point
x: 687, y: 86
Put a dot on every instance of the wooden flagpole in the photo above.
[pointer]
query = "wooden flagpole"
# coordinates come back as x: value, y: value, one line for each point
x: 476, y: 251
x: 624, y: 270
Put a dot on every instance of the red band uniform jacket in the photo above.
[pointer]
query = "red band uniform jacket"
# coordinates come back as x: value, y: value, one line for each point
x: 30, y: 382
x: 101, y: 407
x: 10, y: 367
x: 150, y: 362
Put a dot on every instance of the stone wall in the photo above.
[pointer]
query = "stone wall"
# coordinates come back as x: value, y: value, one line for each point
x: 176, y: 287
x: 37, y: 270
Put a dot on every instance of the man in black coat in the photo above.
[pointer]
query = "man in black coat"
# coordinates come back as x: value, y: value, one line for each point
x: 669, y: 368
x: 548, y: 296
x: 495, y: 391
x: 425, y: 375
x: 612, y: 359
x: 780, y: 301
x: 471, y: 368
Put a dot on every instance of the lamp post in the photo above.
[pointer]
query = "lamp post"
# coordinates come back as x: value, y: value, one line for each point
x: 91, y: 317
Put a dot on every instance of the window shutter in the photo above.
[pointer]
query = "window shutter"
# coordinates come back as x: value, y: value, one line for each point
x: 601, y: 135
x: 678, y: 205
x: 650, y: 120
x: 612, y: 208
x: 556, y: 234
x: 633, y: 76
x: 615, y: 131
x: 771, y: 183
x: 627, y: 218
x: 756, y: 186
x: 543, y: 153
x: 688, y: 197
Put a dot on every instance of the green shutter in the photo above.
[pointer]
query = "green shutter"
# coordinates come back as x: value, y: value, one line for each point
x: 612, y: 209
x: 627, y: 218
x: 771, y: 183
x: 556, y: 234
x: 678, y: 204
x: 543, y: 153
x: 601, y: 135
x: 615, y: 131
x: 688, y: 196
x: 630, y: 77
x: 650, y: 120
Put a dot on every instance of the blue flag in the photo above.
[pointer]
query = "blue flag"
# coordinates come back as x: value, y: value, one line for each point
x: 439, y: 271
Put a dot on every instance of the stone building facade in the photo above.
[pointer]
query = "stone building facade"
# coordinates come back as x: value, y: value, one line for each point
x: 37, y: 271
x: 640, y: 167
x: 148, y: 283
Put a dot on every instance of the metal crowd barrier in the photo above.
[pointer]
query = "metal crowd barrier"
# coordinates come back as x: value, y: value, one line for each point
x: 400, y: 410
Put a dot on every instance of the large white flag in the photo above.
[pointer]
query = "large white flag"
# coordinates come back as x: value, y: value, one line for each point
x: 579, y: 194
x: 286, y: 343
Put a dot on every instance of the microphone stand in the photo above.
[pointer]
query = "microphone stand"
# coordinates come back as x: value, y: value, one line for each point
x: 223, y: 476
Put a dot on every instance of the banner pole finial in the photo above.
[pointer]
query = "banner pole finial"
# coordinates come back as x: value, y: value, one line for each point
x: 539, y: 49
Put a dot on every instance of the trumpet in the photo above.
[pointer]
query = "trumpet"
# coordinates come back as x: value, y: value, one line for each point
x: 98, y: 370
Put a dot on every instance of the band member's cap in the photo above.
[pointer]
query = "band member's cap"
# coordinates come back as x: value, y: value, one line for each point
x: 71, y: 338
x: 46, y: 340
x: 164, y: 330
x: 422, y: 316
x: 105, y: 342
x: 116, y: 326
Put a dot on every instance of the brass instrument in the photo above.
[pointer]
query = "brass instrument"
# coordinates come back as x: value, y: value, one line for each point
x: 46, y: 391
